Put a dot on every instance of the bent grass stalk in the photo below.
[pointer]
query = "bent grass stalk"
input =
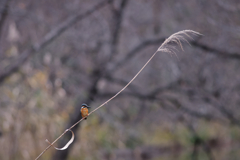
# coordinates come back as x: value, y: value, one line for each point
x: 175, y: 38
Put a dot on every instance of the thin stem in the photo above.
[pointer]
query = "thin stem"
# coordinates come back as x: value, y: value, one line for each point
x: 100, y: 105
x: 163, y: 48
x: 126, y: 84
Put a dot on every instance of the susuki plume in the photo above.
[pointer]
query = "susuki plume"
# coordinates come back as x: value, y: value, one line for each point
x: 176, y: 38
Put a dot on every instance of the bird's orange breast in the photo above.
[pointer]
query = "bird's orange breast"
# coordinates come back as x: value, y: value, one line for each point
x: 84, y: 112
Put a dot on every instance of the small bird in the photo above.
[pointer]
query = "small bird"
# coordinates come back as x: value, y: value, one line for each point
x: 84, y: 110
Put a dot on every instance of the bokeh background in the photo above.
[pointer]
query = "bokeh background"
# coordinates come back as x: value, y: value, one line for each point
x: 57, y: 54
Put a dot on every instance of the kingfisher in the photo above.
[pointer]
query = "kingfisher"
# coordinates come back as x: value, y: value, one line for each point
x: 84, y: 110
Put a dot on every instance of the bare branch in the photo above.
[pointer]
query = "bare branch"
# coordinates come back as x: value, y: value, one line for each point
x: 228, y: 114
x: 217, y: 52
x: 134, y: 51
x: 117, y: 19
x: 53, y: 34
x: 150, y: 42
x: 3, y: 13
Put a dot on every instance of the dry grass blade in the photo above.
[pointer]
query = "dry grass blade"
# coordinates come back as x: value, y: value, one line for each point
x: 165, y: 47
x: 68, y: 144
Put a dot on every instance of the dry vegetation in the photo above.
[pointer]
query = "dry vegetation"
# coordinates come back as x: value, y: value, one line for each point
x: 55, y: 55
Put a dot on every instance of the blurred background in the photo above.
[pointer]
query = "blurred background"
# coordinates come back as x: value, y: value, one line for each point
x: 56, y: 55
